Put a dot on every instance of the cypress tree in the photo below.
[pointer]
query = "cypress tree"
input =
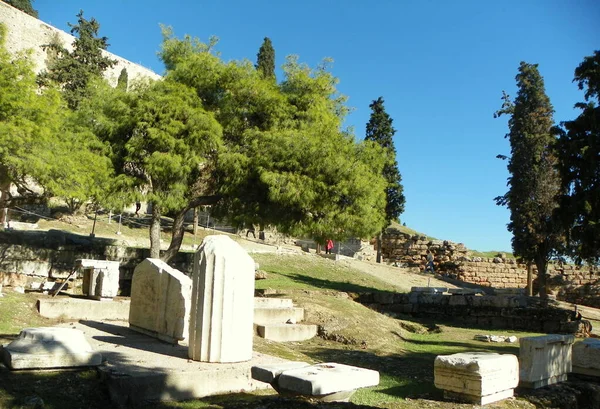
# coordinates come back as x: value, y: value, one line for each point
x: 534, y: 183
x: 381, y: 131
x: 123, y: 80
x: 265, y: 59
x: 579, y: 162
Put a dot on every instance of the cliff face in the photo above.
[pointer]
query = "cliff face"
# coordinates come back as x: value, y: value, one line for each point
x: 28, y: 33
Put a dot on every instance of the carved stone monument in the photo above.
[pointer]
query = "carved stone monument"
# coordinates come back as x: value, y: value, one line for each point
x: 221, y: 319
x: 545, y: 360
x: 160, y: 301
x: 100, y: 278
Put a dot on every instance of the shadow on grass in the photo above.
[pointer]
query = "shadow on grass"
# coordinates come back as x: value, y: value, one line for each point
x: 330, y: 285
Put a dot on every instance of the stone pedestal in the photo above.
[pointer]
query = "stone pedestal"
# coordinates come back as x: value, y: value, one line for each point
x: 49, y: 347
x: 100, y: 278
x: 221, y: 319
x: 586, y: 357
x: 477, y: 377
x: 160, y: 301
x: 545, y: 360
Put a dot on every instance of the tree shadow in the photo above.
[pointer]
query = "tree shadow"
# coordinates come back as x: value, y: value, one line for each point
x: 330, y: 285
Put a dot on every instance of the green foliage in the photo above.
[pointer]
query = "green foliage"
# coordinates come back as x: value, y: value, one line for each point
x: 579, y: 153
x: 381, y: 131
x: 534, y: 183
x: 23, y: 5
x: 72, y: 71
x: 39, y: 139
x: 284, y: 160
x: 265, y: 60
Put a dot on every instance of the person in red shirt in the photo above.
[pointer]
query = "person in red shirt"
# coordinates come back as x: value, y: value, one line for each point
x: 329, y: 246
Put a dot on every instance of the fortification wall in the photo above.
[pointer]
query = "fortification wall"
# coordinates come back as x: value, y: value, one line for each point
x: 577, y: 284
x: 25, y: 32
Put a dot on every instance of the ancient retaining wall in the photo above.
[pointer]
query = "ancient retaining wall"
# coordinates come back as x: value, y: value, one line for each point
x: 571, y: 283
x: 486, y: 311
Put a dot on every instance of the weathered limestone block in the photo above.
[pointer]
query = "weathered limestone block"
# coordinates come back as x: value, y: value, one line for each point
x: 160, y: 301
x: 477, y: 377
x: 586, y: 357
x: 221, y: 319
x: 49, y: 347
x: 100, y: 278
x: 545, y: 360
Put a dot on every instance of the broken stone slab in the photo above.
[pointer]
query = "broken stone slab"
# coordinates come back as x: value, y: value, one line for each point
x: 160, y: 301
x: 586, y: 357
x: 545, y: 360
x: 477, y: 377
x: 326, y: 381
x: 465, y: 291
x: 49, y: 347
x: 495, y: 338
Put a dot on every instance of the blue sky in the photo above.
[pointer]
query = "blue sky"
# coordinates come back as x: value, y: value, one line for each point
x: 440, y: 65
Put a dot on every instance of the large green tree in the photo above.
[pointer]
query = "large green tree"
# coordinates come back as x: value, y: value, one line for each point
x: 534, y: 182
x: 284, y: 159
x: 265, y: 59
x: 579, y: 162
x: 40, y: 144
x: 23, y: 5
x: 72, y: 70
x: 381, y: 131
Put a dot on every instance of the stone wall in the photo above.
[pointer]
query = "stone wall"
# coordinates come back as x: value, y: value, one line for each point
x: 37, y: 256
x: 25, y: 32
x: 576, y: 284
x: 486, y: 311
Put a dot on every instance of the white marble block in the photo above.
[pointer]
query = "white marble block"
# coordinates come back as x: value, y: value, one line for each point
x: 545, y: 360
x: 477, y: 377
x: 49, y: 347
x: 221, y: 319
x: 100, y: 278
x: 586, y: 357
x: 160, y: 301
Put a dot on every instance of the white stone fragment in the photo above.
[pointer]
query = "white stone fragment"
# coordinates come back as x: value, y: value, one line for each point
x: 327, y: 378
x: 545, y: 360
x: 100, y: 278
x: 19, y: 289
x: 477, y: 377
x: 270, y: 372
x: 221, y: 319
x: 160, y: 301
x: 49, y: 347
x: 586, y: 357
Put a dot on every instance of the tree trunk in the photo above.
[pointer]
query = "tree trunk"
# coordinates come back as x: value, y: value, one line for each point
x: 542, y: 266
x: 529, y: 279
x: 378, y: 245
x: 196, y: 216
x: 155, y: 232
x: 176, y: 239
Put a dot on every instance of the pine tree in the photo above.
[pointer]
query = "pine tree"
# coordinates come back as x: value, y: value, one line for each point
x: 534, y: 183
x: 73, y: 70
x: 579, y: 153
x: 265, y: 59
x: 23, y: 5
x: 381, y: 131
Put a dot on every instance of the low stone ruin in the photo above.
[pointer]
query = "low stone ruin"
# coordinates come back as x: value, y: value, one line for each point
x: 100, y: 278
x: 586, y: 357
x: 545, y: 360
x: 477, y: 377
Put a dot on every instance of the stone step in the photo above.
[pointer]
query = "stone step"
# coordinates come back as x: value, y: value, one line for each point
x: 286, y: 332
x: 278, y: 315
x: 271, y: 302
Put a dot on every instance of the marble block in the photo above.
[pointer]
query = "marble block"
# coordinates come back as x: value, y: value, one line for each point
x: 545, y: 360
x: 160, y: 301
x: 586, y: 357
x: 49, y: 347
x: 100, y: 278
x: 477, y: 377
x: 221, y: 318
x: 327, y: 381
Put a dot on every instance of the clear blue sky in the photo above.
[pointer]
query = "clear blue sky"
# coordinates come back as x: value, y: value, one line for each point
x: 440, y: 65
